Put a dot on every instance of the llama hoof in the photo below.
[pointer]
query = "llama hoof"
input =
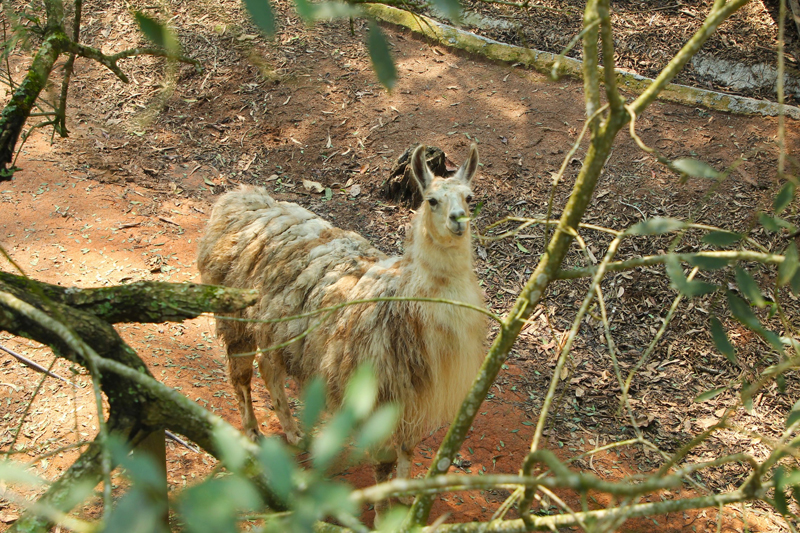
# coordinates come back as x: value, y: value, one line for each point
x: 381, y: 510
x: 295, y: 437
x: 253, y: 434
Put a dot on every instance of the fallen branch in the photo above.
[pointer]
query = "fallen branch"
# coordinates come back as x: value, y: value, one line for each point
x: 145, y: 301
x: 543, y: 62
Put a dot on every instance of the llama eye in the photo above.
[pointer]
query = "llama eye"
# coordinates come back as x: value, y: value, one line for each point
x: 469, y: 198
x: 433, y: 201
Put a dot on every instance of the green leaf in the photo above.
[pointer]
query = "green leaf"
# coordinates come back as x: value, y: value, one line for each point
x: 393, y: 521
x: 449, y: 8
x: 214, y: 505
x: 314, y: 404
x: 228, y: 442
x: 141, y: 468
x: 279, y: 467
x: 794, y: 414
x: 794, y: 283
x: 707, y: 395
x: 683, y: 285
x: 783, y: 198
x: 262, y: 15
x: 335, y: 10
x: 12, y: 472
x: 331, y: 439
x: 778, y: 478
x: 774, y: 339
x: 791, y: 478
x: 747, y: 400
x: 721, y: 238
x: 694, y: 168
x: 708, y: 263
x: 522, y: 248
x: 655, y: 226
x: 477, y: 210
x: 742, y: 312
x: 780, y: 496
x: 748, y: 286
x: 138, y: 511
x: 382, y: 62
x: 775, y: 223
x: 328, y: 499
x: 152, y: 29
x: 769, y: 223
x: 788, y: 268
x: 378, y: 427
x: 305, y: 9
x: 361, y: 391
x: 721, y: 340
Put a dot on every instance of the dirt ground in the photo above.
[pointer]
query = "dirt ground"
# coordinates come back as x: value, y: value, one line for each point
x: 126, y: 196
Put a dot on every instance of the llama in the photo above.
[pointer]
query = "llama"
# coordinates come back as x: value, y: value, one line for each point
x: 425, y: 355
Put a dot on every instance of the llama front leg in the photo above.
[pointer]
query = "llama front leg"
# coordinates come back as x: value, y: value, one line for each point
x: 240, y: 370
x: 272, y: 370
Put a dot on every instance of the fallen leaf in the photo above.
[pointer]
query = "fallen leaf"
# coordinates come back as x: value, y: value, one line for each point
x: 314, y: 186
x: 8, y: 518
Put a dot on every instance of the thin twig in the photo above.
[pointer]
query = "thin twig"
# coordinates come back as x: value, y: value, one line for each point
x: 33, y: 364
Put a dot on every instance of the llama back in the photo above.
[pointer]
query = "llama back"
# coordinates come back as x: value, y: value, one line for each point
x: 295, y: 259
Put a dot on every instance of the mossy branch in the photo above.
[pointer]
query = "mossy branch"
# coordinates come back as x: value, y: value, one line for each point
x: 549, y: 523
x: 110, y: 61
x: 145, y: 301
x: 691, y: 258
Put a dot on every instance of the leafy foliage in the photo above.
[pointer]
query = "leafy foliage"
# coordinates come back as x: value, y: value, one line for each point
x: 381, y: 58
x: 695, y: 168
x: 347, y: 436
x: 261, y: 13
x: 721, y: 239
x: 158, y: 33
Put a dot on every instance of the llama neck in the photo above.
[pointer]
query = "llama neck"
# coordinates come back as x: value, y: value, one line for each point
x: 434, y: 265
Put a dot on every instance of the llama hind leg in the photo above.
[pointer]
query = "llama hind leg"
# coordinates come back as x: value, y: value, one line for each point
x: 384, y: 465
x: 240, y: 370
x: 405, y: 453
x: 274, y: 373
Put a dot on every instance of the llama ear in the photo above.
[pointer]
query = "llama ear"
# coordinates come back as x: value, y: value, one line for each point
x: 419, y: 168
x: 470, y: 166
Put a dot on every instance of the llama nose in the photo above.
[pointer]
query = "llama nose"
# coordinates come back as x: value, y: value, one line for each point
x: 455, y: 215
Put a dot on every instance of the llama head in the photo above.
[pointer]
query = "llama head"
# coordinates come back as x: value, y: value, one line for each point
x: 445, y: 205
